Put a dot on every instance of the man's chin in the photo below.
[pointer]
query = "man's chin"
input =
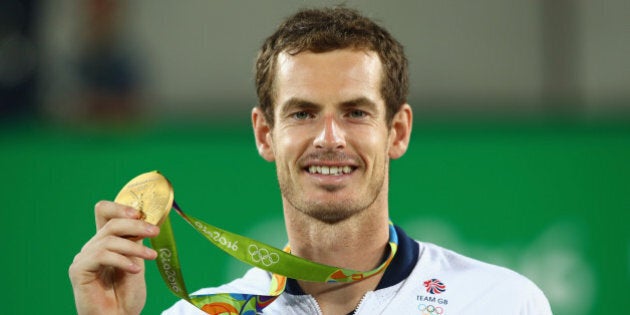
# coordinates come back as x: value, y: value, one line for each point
x: 332, y: 188
x: 331, y: 212
x: 330, y: 217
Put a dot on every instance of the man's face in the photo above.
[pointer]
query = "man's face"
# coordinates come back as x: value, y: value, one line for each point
x: 330, y: 139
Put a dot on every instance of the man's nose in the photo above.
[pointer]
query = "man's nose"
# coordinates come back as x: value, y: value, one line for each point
x: 331, y: 135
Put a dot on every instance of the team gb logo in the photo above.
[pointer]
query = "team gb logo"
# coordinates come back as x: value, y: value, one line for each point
x: 434, y: 286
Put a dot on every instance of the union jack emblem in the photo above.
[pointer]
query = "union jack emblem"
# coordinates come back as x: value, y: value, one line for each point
x: 434, y: 286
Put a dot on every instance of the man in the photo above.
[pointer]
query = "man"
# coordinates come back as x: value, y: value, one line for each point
x: 332, y: 87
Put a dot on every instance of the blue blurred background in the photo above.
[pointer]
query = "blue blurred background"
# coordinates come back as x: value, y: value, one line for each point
x: 519, y: 153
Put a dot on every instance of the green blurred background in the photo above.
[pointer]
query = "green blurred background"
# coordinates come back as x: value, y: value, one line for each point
x: 549, y: 200
x: 519, y: 156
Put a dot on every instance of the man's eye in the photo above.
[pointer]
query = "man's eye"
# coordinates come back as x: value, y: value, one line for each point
x: 301, y: 115
x: 357, y: 113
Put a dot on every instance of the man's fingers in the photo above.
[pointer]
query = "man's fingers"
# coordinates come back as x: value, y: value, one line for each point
x: 127, y: 229
x: 110, y: 251
x: 106, y: 210
x: 128, y: 248
x: 93, y: 263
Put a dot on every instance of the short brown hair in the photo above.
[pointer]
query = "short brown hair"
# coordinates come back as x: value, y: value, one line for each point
x: 327, y: 29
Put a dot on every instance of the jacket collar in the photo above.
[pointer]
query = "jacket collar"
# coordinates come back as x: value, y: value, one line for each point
x: 398, y: 270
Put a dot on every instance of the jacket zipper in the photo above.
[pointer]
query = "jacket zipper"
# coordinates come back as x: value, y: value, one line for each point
x: 356, y: 310
x: 319, y: 309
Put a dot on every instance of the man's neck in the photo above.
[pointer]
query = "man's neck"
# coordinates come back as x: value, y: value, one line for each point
x: 359, y: 243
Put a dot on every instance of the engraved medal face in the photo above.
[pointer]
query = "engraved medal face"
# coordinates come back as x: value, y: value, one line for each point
x: 151, y: 193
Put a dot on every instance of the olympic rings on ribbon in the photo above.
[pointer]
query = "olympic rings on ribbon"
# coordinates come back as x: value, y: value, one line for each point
x: 430, y: 309
x: 262, y: 255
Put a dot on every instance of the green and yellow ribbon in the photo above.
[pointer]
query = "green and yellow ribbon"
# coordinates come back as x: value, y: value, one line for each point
x: 279, y: 262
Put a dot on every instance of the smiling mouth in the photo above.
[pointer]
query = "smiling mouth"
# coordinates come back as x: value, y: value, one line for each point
x: 330, y: 170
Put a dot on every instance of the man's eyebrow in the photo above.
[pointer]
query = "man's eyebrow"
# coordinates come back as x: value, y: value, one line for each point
x: 293, y: 103
x: 302, y: 104
x: 360, y: 102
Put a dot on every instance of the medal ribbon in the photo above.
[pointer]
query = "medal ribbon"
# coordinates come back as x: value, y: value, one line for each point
x: 280, y: 263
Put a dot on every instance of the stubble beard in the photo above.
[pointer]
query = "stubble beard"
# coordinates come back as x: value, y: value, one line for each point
x: 331, y: 211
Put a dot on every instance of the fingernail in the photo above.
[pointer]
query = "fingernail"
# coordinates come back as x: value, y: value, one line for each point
x: 134, y: 267
x: 132, y: 213
x: 152, y: 229
x: 150, y: 253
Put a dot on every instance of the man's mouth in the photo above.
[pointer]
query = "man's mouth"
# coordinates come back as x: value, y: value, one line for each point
x: 330, y: 170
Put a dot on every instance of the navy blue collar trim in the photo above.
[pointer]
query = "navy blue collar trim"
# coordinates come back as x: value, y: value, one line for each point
x: 400, y: 268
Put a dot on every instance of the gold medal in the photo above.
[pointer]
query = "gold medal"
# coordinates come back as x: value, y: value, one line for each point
x: 150, y: 193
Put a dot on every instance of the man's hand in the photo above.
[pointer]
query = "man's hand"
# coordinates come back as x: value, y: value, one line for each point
x: 108, y: 274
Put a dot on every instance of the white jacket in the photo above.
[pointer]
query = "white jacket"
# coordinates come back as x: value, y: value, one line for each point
x: 422, y: 279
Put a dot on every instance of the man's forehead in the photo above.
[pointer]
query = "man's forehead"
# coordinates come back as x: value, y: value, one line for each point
x: 361, y: 64
x: 341, y: 75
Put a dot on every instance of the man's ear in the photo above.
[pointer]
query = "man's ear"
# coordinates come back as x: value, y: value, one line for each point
x: 262, y: 133
x: 400, y: 132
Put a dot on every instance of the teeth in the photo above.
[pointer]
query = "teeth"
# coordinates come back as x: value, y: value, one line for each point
x: 329, y: 170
